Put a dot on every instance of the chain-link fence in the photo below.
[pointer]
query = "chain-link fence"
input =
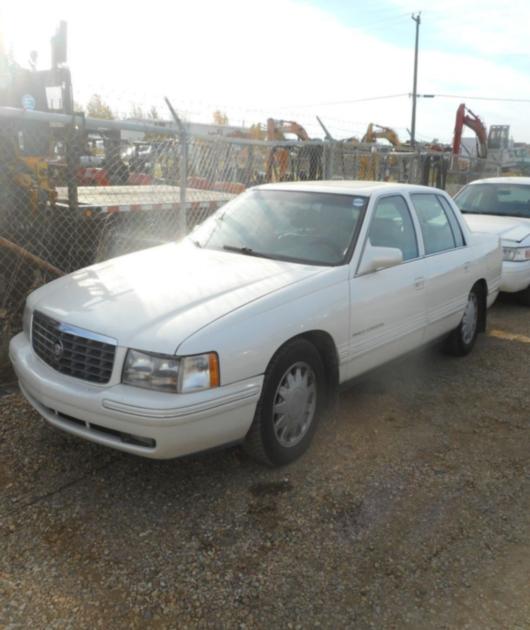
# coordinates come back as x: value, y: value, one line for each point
x: 75, y: 190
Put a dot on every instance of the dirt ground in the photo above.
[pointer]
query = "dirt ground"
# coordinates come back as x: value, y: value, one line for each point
x: 411, y: 510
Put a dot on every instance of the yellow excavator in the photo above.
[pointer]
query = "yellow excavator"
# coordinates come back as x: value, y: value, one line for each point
x: 375, y: 132
x: 278, y: 160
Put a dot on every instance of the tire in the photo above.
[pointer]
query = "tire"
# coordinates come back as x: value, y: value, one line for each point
x: 462, y: 339
x: 524, y: 296
x: 277, y: 439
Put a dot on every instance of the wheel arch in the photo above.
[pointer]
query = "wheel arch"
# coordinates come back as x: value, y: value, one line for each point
x: 327, y: 349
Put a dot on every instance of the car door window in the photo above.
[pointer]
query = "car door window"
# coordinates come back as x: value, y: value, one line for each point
x: 392, y: 226
x: 455, y: 225
x: 435, y: 226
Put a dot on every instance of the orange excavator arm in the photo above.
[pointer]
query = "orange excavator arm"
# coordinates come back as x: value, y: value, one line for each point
x: 466, y: 118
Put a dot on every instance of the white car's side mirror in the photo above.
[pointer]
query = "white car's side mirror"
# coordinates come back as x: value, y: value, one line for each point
x: 377, y: 258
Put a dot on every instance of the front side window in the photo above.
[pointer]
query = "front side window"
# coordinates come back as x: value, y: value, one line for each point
x: 392, y: 226
x: 435, y: 226
x: 501, y: 199
x: 307, y: 227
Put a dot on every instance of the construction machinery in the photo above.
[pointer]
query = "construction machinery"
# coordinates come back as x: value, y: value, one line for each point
x: 375, y: 132
x: 28, y: 146
x: 501, y: 147
x: 308, y: 164
x: 26, y: 176
x: 466, y: 118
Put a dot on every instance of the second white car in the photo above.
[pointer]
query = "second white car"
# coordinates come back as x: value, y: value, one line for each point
x: 501, y: 206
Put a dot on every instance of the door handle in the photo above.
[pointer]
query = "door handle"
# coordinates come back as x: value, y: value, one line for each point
x: 467, y: 265
x: 419, y: 283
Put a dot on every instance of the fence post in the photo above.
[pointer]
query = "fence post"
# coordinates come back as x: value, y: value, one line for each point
x: 183, y: 170
x: 74, y: 132
x: 326, y: 158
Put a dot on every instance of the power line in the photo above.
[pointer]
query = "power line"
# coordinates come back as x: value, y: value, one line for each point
x: 356, y: 100
x: 408, y: 94
x: 484, y: 98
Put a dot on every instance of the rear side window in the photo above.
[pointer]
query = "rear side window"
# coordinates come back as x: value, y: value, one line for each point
x: 455, y: 224
x: 435, y: 226
x: 392, y: 227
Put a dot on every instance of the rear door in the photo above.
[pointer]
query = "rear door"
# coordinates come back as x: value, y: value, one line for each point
x: 448, y: 263
x: 388, y: 308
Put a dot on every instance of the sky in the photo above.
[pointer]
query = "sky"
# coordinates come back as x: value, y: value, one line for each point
x: 348, y: 61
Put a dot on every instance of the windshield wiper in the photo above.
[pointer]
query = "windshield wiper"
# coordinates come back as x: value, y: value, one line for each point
x: 240, y: 250
x: 196, y: 242
x: 248, y: 251
x: 497, y: 214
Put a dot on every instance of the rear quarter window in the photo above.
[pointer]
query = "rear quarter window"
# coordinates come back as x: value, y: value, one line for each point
x: 455, y: 223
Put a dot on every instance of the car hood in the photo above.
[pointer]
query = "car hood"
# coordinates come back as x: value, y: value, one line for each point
x: 508, y: 228
x: 156, y: 298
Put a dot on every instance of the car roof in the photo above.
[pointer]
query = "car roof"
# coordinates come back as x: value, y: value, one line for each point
x: 354, y: 187
x: 525, y: 181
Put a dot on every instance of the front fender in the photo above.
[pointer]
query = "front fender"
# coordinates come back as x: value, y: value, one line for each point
x: 247, y: 339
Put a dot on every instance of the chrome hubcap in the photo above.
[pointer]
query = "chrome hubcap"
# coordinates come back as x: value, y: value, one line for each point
x: 294, y: 404
x: 470, y: 319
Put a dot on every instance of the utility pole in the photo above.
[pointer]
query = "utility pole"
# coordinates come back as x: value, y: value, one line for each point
x: 417, y: 19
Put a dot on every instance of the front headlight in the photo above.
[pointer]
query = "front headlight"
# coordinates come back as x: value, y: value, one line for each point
x: 516, y: 254
x: 26, y: 321
x: 167, y: 373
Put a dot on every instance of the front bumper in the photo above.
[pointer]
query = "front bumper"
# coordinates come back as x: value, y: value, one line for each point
x: 143, y: 422
x: 515, y: 276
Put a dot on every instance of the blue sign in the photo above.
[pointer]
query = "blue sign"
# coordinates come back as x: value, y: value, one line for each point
x: 28, y: 101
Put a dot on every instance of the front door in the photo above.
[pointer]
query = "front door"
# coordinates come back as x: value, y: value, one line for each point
x: 388, y: 307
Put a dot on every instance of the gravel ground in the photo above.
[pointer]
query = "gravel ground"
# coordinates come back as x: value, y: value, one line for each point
x: 411, y: 510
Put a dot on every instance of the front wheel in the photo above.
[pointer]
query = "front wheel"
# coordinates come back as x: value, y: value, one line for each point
x: 462, y: 339
x: 292, y: 400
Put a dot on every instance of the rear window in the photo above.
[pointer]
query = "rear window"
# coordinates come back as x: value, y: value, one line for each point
x: 436, y: 228
x: 455, y: 224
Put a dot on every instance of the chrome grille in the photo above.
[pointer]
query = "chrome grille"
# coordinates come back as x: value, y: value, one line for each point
x: 71, y: 350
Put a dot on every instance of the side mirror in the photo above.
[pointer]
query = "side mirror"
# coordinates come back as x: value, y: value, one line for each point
x: 377, y: 258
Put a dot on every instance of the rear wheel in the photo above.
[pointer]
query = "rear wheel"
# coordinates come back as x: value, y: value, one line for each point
x: 292, y: 400
x: 461, y: 341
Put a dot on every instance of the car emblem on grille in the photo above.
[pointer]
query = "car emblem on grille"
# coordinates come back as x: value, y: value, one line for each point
x: 58, y: 349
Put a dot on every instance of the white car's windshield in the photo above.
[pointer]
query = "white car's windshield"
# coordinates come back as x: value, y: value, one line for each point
x: 307, y: 227
x: 500, y: 199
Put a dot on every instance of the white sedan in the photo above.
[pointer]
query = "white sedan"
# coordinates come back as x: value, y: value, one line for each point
x: 501, y: 205
x: 243, y: 331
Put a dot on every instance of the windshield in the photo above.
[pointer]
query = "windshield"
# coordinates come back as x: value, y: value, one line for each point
x: 501, y: 199
x: 306, y: 227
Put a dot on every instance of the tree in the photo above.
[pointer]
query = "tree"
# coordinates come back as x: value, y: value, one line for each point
x: 153, y: 113
x: 136, y: 111
x: 97, y: 108
x: 220, y: 118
